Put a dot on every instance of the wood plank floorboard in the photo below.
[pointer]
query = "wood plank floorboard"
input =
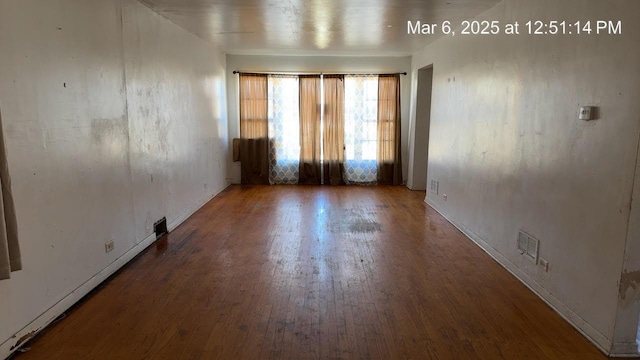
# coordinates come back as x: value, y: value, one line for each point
x: 303, y: 272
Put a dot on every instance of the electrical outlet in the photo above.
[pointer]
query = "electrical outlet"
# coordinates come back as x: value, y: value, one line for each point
x: 544, y: 264
x: 109, y: 246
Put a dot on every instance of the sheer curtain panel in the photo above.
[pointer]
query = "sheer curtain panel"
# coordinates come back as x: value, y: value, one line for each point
x: 360, y: 129
x: 284, y: 129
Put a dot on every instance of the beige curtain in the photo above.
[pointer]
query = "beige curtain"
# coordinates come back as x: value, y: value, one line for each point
x: 9, y: 250
x: 254, y: 143
x: 253, y: 106
x: 310, y: 132
x: 389, y: 150
x: 333, y: 141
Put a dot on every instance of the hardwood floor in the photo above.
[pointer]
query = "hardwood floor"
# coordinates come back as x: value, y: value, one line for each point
x: 300, y: 272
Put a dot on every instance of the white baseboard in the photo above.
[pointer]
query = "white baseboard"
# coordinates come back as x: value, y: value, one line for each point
x: 42, y: 321
x: 625, y: 349
x: 588, y: 331
x: 193, y: 208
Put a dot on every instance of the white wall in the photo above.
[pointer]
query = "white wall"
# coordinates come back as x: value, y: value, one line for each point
x: 177, y: 118
x: 84, y: 137
x: 509, y: 151
x: 315, y: 64
x: 626, y: 330
x: 419, y: 132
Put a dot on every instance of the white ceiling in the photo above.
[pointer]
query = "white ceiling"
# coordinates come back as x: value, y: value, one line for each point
x: 314, y: 27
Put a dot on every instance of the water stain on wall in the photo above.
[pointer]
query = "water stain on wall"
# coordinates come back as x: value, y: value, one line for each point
x: 109, y: 130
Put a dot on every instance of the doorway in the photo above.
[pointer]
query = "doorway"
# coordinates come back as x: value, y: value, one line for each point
x: 420, y: 157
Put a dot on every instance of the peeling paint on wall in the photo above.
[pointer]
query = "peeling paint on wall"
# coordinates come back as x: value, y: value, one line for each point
x: 629, y: 288
x: 24, y: 339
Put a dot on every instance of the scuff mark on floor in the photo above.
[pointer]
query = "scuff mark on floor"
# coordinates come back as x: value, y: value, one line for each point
x: 364, y: 226
x: 354, y: 221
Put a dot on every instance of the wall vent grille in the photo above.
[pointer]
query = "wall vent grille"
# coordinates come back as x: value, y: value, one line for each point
x: 528, y: 246
x: 434, y: 187
x: 160, y: 228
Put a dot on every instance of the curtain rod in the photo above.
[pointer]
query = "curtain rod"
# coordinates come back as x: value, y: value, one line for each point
x: 313, y: 73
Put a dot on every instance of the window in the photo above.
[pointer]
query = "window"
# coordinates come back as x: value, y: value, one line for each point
x: 350, y: 129
x: 361, y: 128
